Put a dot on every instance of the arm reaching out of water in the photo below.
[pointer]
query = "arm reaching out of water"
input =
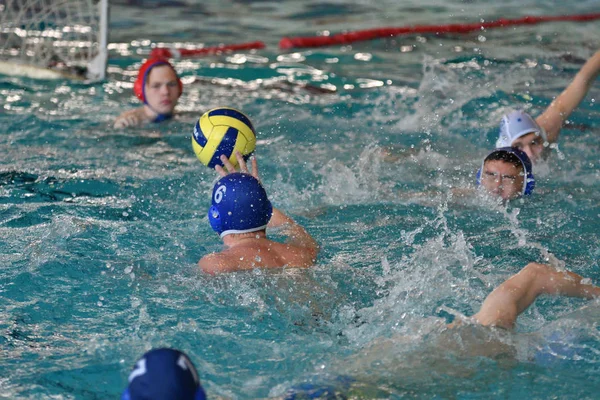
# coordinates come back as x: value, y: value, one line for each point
x: 240, y: 214
x: 561, y: 108
x: 297, y: 235
x: 503, y: 306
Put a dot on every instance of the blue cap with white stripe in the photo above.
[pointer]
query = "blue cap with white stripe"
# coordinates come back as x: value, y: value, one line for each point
x: 239, y: 205
x: 528, y: 181
x: 164, y: 374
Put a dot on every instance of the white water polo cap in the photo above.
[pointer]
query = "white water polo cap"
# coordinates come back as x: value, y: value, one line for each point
x: 516, y: 124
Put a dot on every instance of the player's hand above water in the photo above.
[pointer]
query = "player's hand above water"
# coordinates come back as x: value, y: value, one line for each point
x: 128, y: 119
x: 229, y: 168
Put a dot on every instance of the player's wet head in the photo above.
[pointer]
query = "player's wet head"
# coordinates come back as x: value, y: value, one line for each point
x: 239, y: 205
x: 506, y: 172
x: 164, y: 374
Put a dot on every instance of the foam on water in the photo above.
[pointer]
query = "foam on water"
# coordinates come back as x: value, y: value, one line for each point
x: 366, y: 145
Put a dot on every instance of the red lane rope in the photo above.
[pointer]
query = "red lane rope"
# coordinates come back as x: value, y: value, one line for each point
x: 369, y: 34
x: 164, y: 52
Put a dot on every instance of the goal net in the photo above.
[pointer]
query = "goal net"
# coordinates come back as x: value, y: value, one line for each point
x: 54, y: 38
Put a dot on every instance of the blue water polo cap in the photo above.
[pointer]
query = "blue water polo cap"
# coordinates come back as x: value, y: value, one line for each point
x: 528, y: 182
x: 515, y: 124
x: 164, y: 374
x: 239, y: 205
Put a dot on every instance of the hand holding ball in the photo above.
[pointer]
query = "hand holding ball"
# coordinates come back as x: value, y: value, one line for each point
x: 223, y: 131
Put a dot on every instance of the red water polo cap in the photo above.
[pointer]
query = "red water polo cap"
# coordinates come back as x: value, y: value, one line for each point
x: 139, y: 86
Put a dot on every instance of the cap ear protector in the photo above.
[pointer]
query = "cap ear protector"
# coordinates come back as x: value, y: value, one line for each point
x: 214, y: 218
x: 139, y: 87
x: 529, y: 184
x: 528, y: 181
x: 219, y: 225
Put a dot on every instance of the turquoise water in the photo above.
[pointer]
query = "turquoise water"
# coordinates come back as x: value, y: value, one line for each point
x: 100, y: 229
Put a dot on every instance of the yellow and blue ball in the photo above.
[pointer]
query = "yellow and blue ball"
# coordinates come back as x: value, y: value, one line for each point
x: 220, y: 131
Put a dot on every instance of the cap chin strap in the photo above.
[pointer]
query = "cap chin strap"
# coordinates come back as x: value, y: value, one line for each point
x: 162, y: 117
x: 126, y: 395
x: 159, y: 117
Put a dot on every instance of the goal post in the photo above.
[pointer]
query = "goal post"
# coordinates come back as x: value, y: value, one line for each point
x: 54, y: 39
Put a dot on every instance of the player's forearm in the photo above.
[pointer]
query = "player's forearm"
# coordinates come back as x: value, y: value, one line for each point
x: 279, y: 219
x: 562, y: 107
x: 577, y: 90
x: 570, y: 98
x: 566, y: 283
x: 516, y: 294
x: 590, y: 70
x: 297, y: 234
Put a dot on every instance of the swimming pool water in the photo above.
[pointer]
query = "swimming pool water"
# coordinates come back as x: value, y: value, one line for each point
x: 100, y: 229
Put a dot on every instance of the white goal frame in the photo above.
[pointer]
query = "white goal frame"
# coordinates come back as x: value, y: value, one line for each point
x: 54, y: 39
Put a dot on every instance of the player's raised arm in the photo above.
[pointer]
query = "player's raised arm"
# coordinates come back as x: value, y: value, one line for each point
x: 561, y: 108
x: 240, y: 214
x: 297, y: 235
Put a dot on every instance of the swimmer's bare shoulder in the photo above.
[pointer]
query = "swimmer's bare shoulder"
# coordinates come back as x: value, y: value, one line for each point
x: 216, y: 262
x: 257, y: 253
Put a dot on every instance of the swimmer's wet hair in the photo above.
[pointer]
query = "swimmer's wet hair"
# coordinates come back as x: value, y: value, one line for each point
x: 506, y: 157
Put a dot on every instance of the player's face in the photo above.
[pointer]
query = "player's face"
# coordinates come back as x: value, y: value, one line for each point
x: 502, y: 179
x: 162, y: 89
x: 532, y: 144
